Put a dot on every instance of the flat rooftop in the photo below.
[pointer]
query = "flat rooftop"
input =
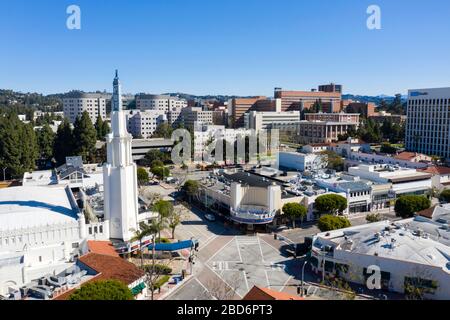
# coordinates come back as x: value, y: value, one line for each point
x: 28, y: 207
x: 400, y: 240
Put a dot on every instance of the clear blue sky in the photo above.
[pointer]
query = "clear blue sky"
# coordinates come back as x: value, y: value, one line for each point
x: 243, y: 47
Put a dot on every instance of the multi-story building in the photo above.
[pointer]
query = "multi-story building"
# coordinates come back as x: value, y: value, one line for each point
x: 365, y: 109
x: 325, y: 128
x: 407, y: 254
x: 158, y: 102
x: 271, y: 120
x: 332, y: 87
x: 240, y: 106
x: 428, y: 123
x: 382, y: 116
x: 75, y: 103
x: 301, y: 100
x: 144, y: 123
x: 193, y: 117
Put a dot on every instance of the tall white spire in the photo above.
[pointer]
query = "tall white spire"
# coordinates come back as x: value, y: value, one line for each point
x: 119, y: 174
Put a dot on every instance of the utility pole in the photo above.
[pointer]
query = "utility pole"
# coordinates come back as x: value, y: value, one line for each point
x: 303, y: 277
x: 4, y: 174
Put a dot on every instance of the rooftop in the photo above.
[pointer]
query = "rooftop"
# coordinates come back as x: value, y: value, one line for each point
x: 27, y: 207
x: 405, y: 240
x: 257, y: 293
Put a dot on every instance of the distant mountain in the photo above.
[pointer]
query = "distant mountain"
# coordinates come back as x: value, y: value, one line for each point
x: 375, y: 99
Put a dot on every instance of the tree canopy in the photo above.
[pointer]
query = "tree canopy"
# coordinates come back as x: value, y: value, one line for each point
x: 294, y: 211
x: 85, y: 137
x: 191, y: 187
x: 407, y: 206
x: 142, y: 176
x: 64, y: 143
x: 103, y: 290
x: 445, y: 195
x: 329, y: 223
x: 331, y: 204
x: 45, y: 139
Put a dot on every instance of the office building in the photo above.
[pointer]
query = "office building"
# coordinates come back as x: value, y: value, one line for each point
x: 428, y: 123
x: 271, y: 120
x: 240, y: 106
x: 332, y: 87
x: 143, y: 124
x: 75, y: 103
x: 158, y: 102
x: 301, y: 100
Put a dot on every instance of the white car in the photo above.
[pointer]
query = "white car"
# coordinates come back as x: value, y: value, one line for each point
x: 210, y: 217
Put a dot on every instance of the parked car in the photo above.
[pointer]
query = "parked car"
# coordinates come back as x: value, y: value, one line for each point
x: 210, y: 217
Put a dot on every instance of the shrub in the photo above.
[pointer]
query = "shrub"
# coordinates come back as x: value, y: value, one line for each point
x: 159, y: 269
x: 407, y: 206
x: 330, y: 222
x: 103, y: 290
x: 445, y: 196
x: 373, y: 217
x: 331, y: 204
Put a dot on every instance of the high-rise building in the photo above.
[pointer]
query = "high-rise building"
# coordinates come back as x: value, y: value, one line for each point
x: 240, y: 106
x: 428, y: 122
x: 158, y: 102
x: 332, y: 87
x: 299, y: 100
x: 75, y: 103
x: 143, y: 124
x: 120, y: 174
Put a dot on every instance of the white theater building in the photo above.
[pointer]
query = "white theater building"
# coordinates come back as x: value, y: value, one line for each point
x: 42, y: 229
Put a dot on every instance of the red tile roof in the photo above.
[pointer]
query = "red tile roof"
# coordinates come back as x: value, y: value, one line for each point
x: 102, y: 247
x: 427, y: 213
x: 257, y: 293
x: 405, y: 156
x: 436, y: 170
x: 108, y: 268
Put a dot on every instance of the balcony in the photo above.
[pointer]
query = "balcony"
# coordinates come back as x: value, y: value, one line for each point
x: 252, y: 215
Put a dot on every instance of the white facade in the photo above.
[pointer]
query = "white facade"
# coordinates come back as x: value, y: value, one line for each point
x: 41, y: 232
x: 404, y: 181
x: 428, y: 123
x: 93, y: 103
x: 119, y: 175
x: 159, y: 102
x: 401, y: 251
x: 299, y: 161
x: 144, y: 123
x: 267, y: 120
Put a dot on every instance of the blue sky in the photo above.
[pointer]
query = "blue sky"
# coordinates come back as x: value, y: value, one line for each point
x: 243, y: 47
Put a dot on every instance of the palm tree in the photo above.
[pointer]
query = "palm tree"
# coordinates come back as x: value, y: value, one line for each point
x: 144, y: 231
x: 164, y: 209
x: 154, y: 228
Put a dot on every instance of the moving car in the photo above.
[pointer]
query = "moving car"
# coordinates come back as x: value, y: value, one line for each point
x: 210, y: 217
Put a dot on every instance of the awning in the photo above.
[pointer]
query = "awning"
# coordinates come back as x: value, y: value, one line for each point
x: 173, y: 246
x: 138, y: 289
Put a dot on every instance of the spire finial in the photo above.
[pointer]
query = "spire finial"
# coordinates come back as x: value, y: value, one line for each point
x: 117, y: 73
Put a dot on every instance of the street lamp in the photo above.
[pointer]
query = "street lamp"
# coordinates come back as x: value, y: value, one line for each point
x: 4, y: 174
x: 303, y: 277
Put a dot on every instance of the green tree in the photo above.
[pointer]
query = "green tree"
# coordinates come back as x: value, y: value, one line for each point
x: 103, y: 290
x: 445, y: 196
x: 85, y: 137
x: 10, y: 142
x: 335, y: 162
x: 388, y: 148
x: 191, y: 187
x: 64, y: 143
x: 99, y: 128
x: 329, y: 223
x: 154, y: 154
x: 373, y: 217
x: 160, y: 172
x: 163, y: 130
x: 294, y: 211
x: 45, y: 139
x: 165, y: 209
x: 156, y: 163
x: 407, y: 206
x: 145, y: 230
x: 29, y: 148
x: 105, y: 129
x: 142, y: 176
x: 173, y: 220
x: 331, y: 204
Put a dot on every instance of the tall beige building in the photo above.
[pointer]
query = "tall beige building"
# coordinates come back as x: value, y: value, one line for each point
x: 76, y: 103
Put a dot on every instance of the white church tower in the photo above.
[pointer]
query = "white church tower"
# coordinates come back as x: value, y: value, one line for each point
x: 119, y: 174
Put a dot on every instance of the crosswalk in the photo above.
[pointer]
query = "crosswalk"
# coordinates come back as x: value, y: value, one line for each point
x: 246, y: 240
